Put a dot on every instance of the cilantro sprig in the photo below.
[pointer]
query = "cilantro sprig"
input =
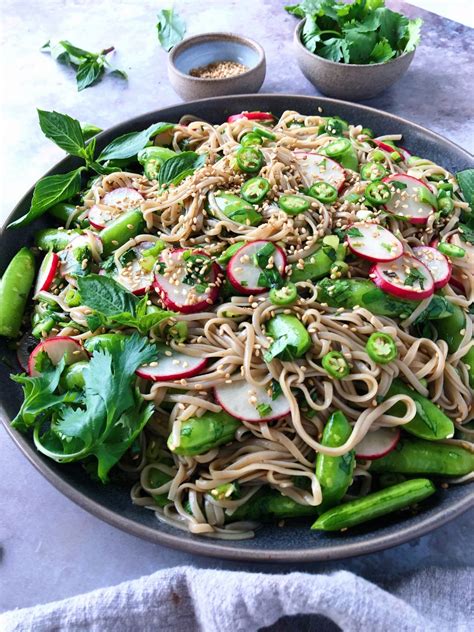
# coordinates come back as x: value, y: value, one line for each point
x: 364, y: 32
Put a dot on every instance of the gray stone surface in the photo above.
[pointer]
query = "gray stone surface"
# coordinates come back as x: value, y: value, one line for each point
x: 49, y: 547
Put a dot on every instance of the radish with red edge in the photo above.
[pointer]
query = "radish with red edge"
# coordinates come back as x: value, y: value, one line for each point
x: 134, y: 276
x: 187, y: 281
x: 244, y: 271
x: 438, y: 265
x: 373, y: 242
x: 46, y: 273
x: 405, y: 277
x: 115, y: 202
x: 406, y: 200
x: 377, y: 444
x: 57, y: 348
x: 316, y: 168
x: 171, y: 365
x: 406, y: 155
x: 251, y: 116
x: 250, y: 403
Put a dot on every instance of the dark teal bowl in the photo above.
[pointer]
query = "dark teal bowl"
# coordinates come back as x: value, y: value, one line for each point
x: 295, y: 542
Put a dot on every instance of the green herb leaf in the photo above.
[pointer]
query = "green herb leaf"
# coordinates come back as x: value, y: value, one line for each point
x: 77, y: 52
x: 382, y: 52
x: 354, y: 232
x: 465, y: 180
x: 178, y: 167
x: 89, y: 130
x: 413, y: 35
x: 415, y: 276
x: 130, y: 144
x: 360, y: 45
x: 335, y: 49
x: 104, y: 295
x: 393, y: 26
x: 88, y: 73
x: 310, y: 34
x: 48, y: 192
x: 466, y: 233
x: 171, y: 28
x: 63, y: 130
x: 263, y: 409
x: 276, y: 389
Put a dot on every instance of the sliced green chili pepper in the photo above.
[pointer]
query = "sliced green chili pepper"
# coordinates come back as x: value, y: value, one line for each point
x: 250, y: 139
x: 323, y: 192
x: 72, y: 298
x: 445, y: 205
x: 337, y: 148
x: 429, y: 423
x: 334, y: 126
x: 375, y: 505
x: 395, y: 156
x: 229, y: 252
x: 415, y: 456
x: 152, y: 158
x: 249, y: 159
x: 263, y: 133
x: 451, y: 250
x: 381, y: 348
x: 377, y: 193
x: 121, y: 230
x: 334, y: 473
x: 15, y: 287
x: 372, y: 171
x: 55, y: 239
x: 200, y: 434
x: 285, y: 295
x: 344, y: 152
x: 293, y: 204
x: 336, y: 365
x: 255, y: 190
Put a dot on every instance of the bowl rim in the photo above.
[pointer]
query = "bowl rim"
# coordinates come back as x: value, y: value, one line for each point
x: 297, y: 41
x: 214, y: 548
x: 211, y: 37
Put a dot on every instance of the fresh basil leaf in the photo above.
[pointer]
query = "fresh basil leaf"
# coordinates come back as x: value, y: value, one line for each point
x: 88, y: 73
x: 75, y: 51
x: 276, y: 348
x: 118, y: 73
x: 465, y: 180
x: 63, y: 130
x: 89, y: 131
x: 178, y: 167
x: 130, y: 144
x: 58, y: 53
x: 104, y: 295
x: 48, y: 192
x: 171, y: 28
x: 382, y: 52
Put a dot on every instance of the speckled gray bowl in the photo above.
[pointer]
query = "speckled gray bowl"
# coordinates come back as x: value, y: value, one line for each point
x: 295, y: 542
x: 207, y: 48
x: 351, y: 82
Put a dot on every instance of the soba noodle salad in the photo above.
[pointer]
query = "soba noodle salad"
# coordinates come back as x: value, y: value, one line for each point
x: 254, y: 321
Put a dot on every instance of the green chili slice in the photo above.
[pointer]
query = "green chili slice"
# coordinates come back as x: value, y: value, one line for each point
x: 335, y: 364
x: 293, y: 204
x: 323, y: 192
x: 451, y: 250
x: 377, y: 193
x: 251, y: 139
x: 338, y: 147
x: 381, y: 348
x: 255, y: 190
x: 285, y: 295
x: 249, y: 159
x: 445, y: 205
x: 372, y: 171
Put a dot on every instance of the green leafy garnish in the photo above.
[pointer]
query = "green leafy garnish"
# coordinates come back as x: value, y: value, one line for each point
x: 90, y: 67
x: 364, y: 32
x: 276, y: 389
x: 178, y: 167
x: 128, y: 145
x: 269, y: 277
x: 171, y: 28
x: 466, y: 184
x: 353, y: 232
x: 263, y: 409
x: 466, y: 233
x: 415, y: 276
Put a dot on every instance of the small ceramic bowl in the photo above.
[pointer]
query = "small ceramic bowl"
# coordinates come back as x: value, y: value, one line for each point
x: 351, y: 82
x: 207, y: 48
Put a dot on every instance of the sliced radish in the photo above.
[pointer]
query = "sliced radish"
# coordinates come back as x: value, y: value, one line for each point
x: 438, y: 265
x: 405, y: 201
x: 171, y: 365
x: 113, y: 203
x: 243, y: 271
x: 47, y: 272
x: 406, y: 277
x: 316, y: 167
x: 69, y: 261
x: 57, y: 348
x: 251, y: 116
x: 249, y: 402
x: 133, y: 276
x: 373, y: 242
x: 406, y: 155
x: 186, y: 296
x: 99, y: 216
x: 377, y: 443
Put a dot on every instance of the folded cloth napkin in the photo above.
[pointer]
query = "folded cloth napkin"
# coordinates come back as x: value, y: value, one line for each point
x: 185, y: 599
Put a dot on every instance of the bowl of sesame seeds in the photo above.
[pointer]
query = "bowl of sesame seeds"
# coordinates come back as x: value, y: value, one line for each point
x: 216, y: 64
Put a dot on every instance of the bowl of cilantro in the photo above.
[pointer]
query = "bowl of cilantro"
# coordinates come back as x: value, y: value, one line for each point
x: 353, y: 51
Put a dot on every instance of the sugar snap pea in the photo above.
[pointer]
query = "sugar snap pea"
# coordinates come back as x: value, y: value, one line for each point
x: 73, y: 376
x: 317, y: 265
x: 14, y: 289
x: 415, y: 456
x: 121, y: 230
x: 55, y: 239
x: 200, y: 434
x: 334, y: 473
x: 449, y: 329
x: 63, y: 212
x: 375, y: 505
x: 102, y: 341
x: 270, y: 504
x: 468, y: 360
x: 429, y: 422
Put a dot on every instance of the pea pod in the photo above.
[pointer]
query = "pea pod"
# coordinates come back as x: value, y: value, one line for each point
x: 429, y: 422
x: 237, y: 209
x: 120, y: 230
x: 102, y: 341
x: 224, y: 258
x: 63, y: 212
x: 287, y: 327
x: 415, y: 456
x: 73, y: 377
x: 375, y: 505
x: 449, y: 329
x: 334, y: 473
x: 15, y: 287
x: 468, y: 360
x: 200, y: 434
x: 317, y: 265
x: 55, y: 239
x: 267, y: 504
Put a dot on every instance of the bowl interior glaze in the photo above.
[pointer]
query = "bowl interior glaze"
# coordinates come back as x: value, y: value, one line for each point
x: 295, y: 542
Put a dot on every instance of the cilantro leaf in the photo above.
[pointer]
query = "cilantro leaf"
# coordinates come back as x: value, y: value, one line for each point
x: 382, y: 52
x: 310, y: 34
x: 335, y: 49
x: 360, y: 45
x: 415, y: 276
x: 393, y: 26
x: 413, y: 35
